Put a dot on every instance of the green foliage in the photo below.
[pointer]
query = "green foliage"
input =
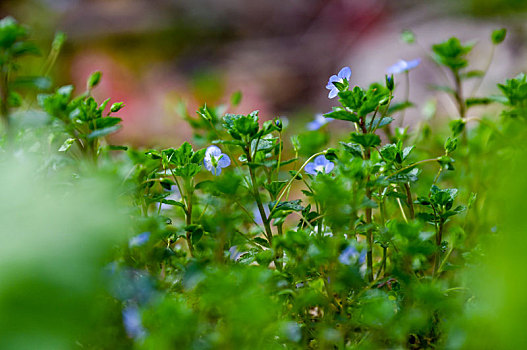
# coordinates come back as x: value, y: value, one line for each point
x: 285, y: 245
x: 498, y: 36
x: 452, y: 54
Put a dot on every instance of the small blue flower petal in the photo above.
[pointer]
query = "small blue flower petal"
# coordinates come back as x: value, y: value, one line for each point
x: 310, y: 168
x: 403, y: 66
x: 224, y: 161
x: 318, y: 122
x: 334, y: 92
x: 132, y: 322
x: 345, y: 73
x: 139, y: 240
x: 329, y: 167
x: 362, y: 257
x: 319, y: 165
x: 213, y: 151
x: 347, y: 254
x: 320, y: 160
x: 214, y: 160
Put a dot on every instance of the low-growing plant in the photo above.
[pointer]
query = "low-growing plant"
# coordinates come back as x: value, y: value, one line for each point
x: 260, y: 238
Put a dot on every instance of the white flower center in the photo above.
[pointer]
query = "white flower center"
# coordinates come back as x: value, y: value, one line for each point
x: 320, y: 168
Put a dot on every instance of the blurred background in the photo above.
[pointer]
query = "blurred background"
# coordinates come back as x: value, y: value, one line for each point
x: 159, y: 55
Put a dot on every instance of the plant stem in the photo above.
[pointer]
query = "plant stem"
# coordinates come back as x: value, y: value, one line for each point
x: 437, y: 256
x: 4, y: 96
x: 383, y: 263
x: 369, y: 233
x: 409, y: 200
x: 189, y: 190
x: 414, y: 164
x: 256, y: 194
x: 288, y: 185
x: 460, y: 101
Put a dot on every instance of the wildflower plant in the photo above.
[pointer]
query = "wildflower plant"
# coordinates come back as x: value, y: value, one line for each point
x: 259, y: 238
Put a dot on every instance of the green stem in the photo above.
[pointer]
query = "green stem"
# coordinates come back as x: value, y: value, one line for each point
x: 413, y: 165
x: 489, y: 62
x: 256, y: 194
x: 288, y: 185
x: 369, y: 233
x: 383, y: 263
x: 4, y: 96
x: 460, y: 101
x: 279, y: 154
x: 437, y: 256
x: 409, y: 200
x: 190, y: 191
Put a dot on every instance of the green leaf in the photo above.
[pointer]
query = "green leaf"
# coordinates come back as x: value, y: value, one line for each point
x: 408, y: 36
x: 352, y: 99
x: 451, y: 53
x: 450, y: 145
x: 116, y: 107
x: 196, y: 232
x: 285, y: 206
x: 379, y: 123
x: 478, y: 101
x: 472, y: 74
x: 275, y: 187
x: 172, y: 202
x: 389, y: 152
x: 117, y: 148
x: 366, y: 140
x: 457, y: 126
x: 66, y: 145
x: 343, y: 114
x: 238, y: 125
x: 353, y: 148
x: 261, y: 241
x: 236, y: 98
x: 94, y: 80
x: 103, y: 132
x: 498, y: 36
x: 105, y: 122
x: 207, y: 114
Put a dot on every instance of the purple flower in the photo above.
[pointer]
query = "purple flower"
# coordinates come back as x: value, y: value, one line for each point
x: 214, y: 160
x: 344, y: 74
x: 403, y: 66
x: 319, y: 165
x: 132, y: 322
x: 139, y: 240
x: 318, y: 122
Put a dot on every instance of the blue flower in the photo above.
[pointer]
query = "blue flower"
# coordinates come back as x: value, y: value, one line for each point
x: 318, y: 122
x: 344, y: 74
x: 139, y: 240
x: 350, y: 254
x: 319, y: 165
x: 214, y: 160
x: 403, y: 66
x: 132, y: 322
